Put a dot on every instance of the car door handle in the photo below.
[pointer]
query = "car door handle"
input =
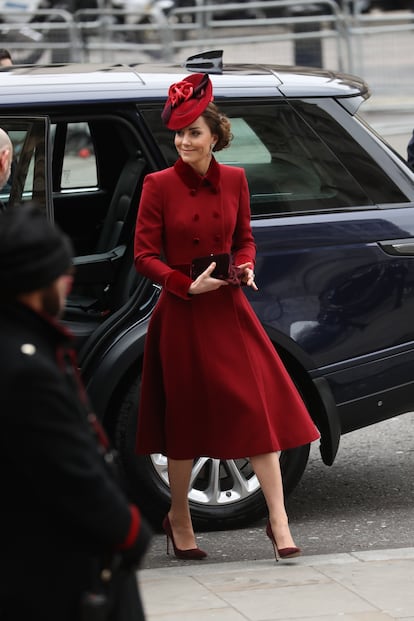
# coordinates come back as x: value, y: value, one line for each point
x: 398, y: 247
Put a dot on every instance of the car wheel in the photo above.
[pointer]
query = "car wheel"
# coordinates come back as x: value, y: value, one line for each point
x: 223, y: 494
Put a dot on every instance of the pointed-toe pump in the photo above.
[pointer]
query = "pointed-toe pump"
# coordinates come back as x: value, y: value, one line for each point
x: 281, y: 552
x: 190, y: 554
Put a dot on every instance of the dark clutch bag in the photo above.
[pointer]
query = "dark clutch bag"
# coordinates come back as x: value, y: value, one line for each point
x: 221, y: 271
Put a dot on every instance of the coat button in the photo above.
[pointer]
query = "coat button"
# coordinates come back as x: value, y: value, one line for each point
x: 216, y: 214
x: 193, y: 192
x: 196, y: 240
x: 28, y: 349
x: 217, y: 238
x: 106, y: 575
x: 196, y: 217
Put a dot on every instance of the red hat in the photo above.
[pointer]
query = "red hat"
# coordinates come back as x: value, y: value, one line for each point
x: 187, y: 100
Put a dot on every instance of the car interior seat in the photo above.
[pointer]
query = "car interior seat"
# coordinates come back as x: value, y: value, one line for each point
x: 95, y: 294
x: 113, y: 231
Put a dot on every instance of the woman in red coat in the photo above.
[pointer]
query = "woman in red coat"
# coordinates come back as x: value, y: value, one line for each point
x: 211, y: 374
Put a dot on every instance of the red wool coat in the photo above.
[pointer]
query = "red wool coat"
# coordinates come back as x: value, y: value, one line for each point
x: 212, y: 383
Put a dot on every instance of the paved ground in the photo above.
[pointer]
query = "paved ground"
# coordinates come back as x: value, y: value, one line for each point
x: 363, y: 586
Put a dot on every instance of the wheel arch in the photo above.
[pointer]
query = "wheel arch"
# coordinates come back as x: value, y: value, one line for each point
x: 315, y: 392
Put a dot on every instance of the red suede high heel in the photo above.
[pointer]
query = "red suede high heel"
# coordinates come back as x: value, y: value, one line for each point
x: 191, y: 554
x: 282, y: 552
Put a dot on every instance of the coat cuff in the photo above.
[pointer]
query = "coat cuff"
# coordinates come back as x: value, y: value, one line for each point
x: 239, y: 259
x: 136, y: 543
x: 133, y: 529
x: 178, y: 284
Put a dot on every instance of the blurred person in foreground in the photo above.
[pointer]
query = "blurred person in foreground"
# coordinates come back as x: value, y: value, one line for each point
x: 71, y: 540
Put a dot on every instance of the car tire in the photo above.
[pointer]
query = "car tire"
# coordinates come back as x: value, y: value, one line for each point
x: 225, y: 494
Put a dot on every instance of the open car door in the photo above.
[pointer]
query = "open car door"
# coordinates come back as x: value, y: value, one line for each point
x: 30, y: 178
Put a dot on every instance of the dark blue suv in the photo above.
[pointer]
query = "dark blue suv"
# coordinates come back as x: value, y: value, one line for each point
x: 333, y: 217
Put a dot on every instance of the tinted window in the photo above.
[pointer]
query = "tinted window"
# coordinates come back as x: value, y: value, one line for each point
x: 360, y: 164
x: 297, y: 159
x: 27, y: 180
x: 301, y: 172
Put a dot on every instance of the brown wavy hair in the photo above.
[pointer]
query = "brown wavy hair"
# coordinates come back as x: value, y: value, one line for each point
x: 219, y: 124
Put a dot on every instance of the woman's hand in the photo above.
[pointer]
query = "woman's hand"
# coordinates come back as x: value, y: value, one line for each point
x: 205, y: 282
x: 247, y: 275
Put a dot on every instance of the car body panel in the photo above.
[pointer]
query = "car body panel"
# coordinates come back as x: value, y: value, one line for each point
x: 342, y: 299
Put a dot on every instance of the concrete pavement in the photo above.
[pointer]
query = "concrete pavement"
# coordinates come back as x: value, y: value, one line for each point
x: 356, y: 586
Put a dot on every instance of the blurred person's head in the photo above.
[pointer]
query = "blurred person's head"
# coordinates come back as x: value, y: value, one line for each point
x: 35, y: 260
x: 6, y: 156
x: 5, y: 58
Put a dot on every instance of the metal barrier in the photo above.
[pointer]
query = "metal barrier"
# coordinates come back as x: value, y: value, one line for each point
x: 376, y: 46
x: 212, y: 24
x: 50, y: 35
x: 382, y: 46
x: 126, y: 34
x: 106, y: 34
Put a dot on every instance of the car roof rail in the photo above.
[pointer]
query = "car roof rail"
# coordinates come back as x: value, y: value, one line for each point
x: 210, y: 61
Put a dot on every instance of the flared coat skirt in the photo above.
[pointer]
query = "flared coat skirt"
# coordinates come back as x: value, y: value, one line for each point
x: 213, y: 384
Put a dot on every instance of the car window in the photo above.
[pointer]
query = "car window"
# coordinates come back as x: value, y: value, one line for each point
x: 27, y: 181
x: 364, y: 168
x: 297, y: 159
x: 301, y: 172
x: 79, y: 162
x: 246, y: 146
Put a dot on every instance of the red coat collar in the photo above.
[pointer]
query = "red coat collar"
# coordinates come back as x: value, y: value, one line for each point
x: 194, y: 181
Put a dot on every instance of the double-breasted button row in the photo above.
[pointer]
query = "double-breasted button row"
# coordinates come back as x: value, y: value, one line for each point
x: 196, y: 240
x: 194, y: 191
x: 196, y: 216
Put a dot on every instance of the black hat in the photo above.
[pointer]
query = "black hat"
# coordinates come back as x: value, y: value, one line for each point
x: 33, y: 252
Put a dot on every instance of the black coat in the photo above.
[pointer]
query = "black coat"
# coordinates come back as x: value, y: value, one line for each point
x: 63, y: 513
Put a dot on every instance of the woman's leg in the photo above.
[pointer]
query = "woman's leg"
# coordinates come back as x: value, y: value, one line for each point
x: 267, y: 469
x: 179, y: 473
